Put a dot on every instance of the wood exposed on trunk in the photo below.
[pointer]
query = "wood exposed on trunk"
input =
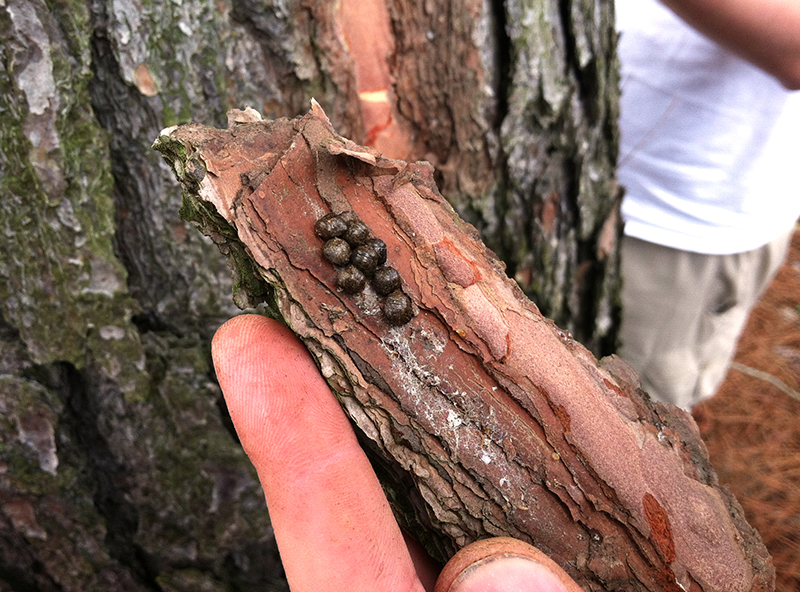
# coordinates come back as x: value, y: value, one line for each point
x: 500, y: 420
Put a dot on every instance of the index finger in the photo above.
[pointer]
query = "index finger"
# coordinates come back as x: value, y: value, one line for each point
x: 333, y: 525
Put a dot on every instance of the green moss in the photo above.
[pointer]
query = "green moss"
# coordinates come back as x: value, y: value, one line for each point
x: 183, y: 48
x: 60, y: 275
x: 26, y: 399
x: 199, y: 476
x: 249, y: 288
x: 73, y: 18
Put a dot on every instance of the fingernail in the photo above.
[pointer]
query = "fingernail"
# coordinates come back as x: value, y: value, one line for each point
x: 505, y: 573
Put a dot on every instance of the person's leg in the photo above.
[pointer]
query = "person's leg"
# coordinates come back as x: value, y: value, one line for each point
x: 683, y: 314
x: 662, y: 309
x: 742, y: 280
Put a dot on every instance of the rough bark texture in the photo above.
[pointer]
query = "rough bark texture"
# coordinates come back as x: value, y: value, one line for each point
x: 503, y: 423
x: 524, y: 140
x: 118, y: 469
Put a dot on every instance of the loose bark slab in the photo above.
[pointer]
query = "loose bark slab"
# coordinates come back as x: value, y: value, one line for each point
x: 482, y: 416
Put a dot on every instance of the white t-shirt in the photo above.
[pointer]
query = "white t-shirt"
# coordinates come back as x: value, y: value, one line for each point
x: 710, y: 144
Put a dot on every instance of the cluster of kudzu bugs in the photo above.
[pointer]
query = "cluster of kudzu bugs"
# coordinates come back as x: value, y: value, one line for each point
x: 360, y: 258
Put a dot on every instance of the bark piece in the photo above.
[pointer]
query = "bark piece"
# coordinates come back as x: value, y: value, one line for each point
x: 500, y: 421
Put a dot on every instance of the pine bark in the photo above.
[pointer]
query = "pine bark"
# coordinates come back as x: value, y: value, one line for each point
x: 500, y: 422
x: 118, y: 467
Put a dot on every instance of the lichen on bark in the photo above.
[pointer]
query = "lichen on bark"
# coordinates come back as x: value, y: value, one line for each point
x: 117, y: 468
x: 558, y: 224
x: 61, y: 277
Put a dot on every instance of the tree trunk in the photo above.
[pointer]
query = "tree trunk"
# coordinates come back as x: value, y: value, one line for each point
x: 119, y: 468
x: 515, y: 103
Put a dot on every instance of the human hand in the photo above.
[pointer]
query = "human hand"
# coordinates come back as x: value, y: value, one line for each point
x: 333, y: 525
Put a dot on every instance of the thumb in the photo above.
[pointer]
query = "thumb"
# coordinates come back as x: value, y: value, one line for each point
x: 501, y: 565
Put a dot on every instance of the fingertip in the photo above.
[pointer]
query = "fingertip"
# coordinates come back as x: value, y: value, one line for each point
x: 244, y: 331
x: 249, y: 350
x: 231, y: 337
x: 500, y: 564
x: 266, y: 375
x: 236, y: 350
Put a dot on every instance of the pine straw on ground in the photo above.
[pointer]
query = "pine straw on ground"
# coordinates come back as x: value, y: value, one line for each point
x: 752, y: 425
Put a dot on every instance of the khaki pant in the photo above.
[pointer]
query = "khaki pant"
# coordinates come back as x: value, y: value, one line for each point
x: 683, y: 313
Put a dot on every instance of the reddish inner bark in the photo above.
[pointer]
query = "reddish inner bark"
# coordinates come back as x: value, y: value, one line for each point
x: 366, y: 28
